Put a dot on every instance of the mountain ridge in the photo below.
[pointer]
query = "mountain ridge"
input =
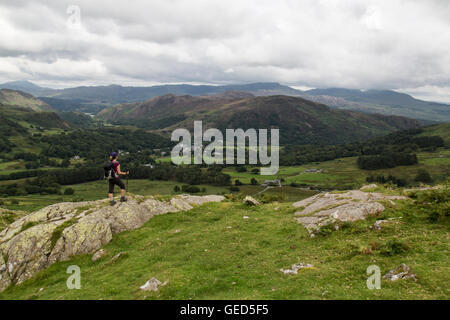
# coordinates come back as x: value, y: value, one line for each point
x: 302, y: 121
x: 93, y: 99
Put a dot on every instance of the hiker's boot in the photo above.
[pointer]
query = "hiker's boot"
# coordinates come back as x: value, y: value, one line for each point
x: 123, y: 199
x: 112, y: 202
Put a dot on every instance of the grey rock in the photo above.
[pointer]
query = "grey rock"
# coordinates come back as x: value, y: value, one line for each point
x: 153, y: 285
x: 369, y: 186
x: 296, y: 268
x: 328, y: 208
x: 98, y: 254
x: 250, y: 201
x: 401, y: 272
x: 117, y: 257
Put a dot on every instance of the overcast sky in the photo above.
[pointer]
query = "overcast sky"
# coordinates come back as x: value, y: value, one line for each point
x: 383, y: 44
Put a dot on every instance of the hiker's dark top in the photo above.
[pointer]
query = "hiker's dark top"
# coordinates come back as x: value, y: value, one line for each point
x: 115, y: 165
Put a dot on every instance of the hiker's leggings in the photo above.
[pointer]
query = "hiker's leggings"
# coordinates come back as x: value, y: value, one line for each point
x: 118, y: 182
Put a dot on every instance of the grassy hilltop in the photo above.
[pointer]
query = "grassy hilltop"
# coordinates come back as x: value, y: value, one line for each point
x: 214, y: 252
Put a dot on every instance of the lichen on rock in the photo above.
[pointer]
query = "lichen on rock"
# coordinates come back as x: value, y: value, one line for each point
x: 327, y: 208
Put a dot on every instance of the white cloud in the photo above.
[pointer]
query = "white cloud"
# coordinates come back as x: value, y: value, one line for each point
x: 390, y: 44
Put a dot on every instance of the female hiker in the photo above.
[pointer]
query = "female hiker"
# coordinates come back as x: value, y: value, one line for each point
x: 114, y: 179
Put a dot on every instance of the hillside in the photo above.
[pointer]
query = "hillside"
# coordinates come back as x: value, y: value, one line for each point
x: 20, y: 110
x: 19, y: 99
x: 301, y: 121
x: 442, y: 130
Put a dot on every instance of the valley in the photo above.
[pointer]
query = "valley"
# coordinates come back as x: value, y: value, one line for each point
x: 53, y: 157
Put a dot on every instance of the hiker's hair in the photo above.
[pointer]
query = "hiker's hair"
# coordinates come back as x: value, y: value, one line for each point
x: 111, y: 158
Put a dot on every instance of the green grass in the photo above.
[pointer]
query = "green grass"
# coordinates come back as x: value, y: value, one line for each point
x: 11, y: 166
x: 219, y: 255
x: 442, y: 130
x: 99, y: 190
x: 344, y: 173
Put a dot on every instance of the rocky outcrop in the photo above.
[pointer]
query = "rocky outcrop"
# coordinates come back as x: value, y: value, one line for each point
x: 327, y: 208
x: 60, y: 231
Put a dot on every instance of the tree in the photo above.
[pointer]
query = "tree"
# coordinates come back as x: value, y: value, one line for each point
x: 423, y: 176
x: 253, y: 182
x: 65, y: 163
x: 176, y: 189
x: 32, y: 165
x: 237, y: 182
x: 69, y: 191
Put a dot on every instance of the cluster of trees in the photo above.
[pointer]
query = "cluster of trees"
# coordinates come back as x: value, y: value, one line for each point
x: 50, y: 181
x: 188, y: 189
x: 388, y: 160
x: 400, y: 182
x: 191, y: 175
x: 5, y: 145
x: 421, y: 176
x: 96, y: 144
x: 297, y: 155
x: 41, y: 184
x: 394, y: 149
x: 34, y: 161
x: 7, y: 129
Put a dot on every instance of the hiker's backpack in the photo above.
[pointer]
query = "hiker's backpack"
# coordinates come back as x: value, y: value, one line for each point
x: 109, y: 170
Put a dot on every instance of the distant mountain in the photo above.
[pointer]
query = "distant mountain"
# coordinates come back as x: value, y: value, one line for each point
x: 381, y: 101
x: 115, y: 94
x: 92, y: 99
x: 26, y: 86
x: 300, y: 121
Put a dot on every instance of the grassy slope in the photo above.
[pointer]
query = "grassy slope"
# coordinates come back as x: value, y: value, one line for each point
x: 442, y: 130
x: 219, y: 255
x: 22, y: 99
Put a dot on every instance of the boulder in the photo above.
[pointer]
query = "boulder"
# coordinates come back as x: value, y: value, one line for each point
x: 379, y: 223
x: 328, y: 208
x: 250, y: 201
x: 401, y: 272
x: 153, y: 285
x: 296, y: 268
x: 98, y: 254
x: 368, y: 186
x: 60, y: 231
x: 117, y: 257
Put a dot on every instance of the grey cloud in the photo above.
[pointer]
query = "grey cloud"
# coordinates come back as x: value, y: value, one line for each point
x: 398, y: 44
